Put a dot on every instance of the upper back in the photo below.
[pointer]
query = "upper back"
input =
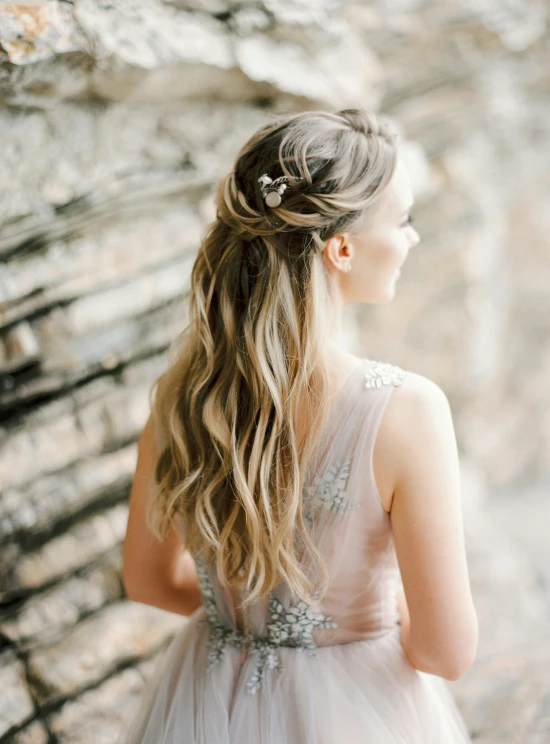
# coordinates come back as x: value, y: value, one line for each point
x: 401, y: 422
x: 346, y: 522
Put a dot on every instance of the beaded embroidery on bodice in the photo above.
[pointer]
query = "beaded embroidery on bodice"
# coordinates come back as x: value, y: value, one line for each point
x: 291, y: 625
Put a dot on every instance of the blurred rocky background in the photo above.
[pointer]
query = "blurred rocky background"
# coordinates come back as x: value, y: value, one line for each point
x: 117, y: 119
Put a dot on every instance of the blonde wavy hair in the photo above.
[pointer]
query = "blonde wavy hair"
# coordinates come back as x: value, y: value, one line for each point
x: 252, y: 361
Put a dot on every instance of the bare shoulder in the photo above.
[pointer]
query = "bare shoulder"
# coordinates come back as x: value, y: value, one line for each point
x: 417, y: 410
x: 416, y: 390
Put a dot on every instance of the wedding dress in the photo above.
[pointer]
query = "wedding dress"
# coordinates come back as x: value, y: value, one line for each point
x: 335, y: 673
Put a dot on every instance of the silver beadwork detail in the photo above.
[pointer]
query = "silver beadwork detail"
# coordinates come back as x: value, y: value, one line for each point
x: 220, y: 634
x: 291, y: 626
x: 328, y: 491
x: 383, y: 373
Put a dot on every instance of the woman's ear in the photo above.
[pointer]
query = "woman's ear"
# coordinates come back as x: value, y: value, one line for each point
x: 337, y: 252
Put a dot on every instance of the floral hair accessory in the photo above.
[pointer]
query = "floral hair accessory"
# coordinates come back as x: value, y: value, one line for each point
x: 273, y: 189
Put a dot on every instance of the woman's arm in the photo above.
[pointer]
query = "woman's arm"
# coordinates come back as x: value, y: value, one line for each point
x: 157, y: 573
x: 439, y: 629
x: 405, y: 626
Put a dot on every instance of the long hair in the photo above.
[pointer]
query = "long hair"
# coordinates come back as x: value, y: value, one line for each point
x: 251, y: 362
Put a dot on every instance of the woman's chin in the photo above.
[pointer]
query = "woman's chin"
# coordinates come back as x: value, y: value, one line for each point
x: 393, y: 282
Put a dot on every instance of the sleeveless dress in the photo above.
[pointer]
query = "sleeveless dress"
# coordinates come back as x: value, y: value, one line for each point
x: 300, y: 674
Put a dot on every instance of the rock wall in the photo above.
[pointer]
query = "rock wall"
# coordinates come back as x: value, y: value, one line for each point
x: 117, y: 119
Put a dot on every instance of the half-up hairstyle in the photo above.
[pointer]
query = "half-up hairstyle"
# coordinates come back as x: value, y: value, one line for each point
x: 252, y: 361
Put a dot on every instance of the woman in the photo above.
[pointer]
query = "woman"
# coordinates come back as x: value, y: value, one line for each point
x: 301, y: 505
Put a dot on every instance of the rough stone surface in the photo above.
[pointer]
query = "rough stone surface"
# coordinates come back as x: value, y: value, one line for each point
x: 16, y: 705
x: 119, y: 633
x: 47, y: 616
x: 52, y: 497
x: 89, y: 264
x: 82, y: 543
x: 83, y: 719
x: 36, y: 733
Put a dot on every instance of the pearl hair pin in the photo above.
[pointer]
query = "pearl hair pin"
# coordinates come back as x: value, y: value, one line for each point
x: 272, y: 190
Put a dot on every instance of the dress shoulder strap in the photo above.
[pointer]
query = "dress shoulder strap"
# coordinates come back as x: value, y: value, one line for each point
x: 380, y: 379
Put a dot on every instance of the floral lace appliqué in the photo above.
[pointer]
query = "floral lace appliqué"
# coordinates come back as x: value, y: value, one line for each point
x: 328, y: 490
x: 292, y: 626
x: 383, y: 373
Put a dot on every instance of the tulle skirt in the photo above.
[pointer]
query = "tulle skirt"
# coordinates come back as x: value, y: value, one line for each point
x: 364, y: 692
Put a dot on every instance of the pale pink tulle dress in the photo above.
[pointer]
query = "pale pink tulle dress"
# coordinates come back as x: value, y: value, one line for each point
x: 328, y: 675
